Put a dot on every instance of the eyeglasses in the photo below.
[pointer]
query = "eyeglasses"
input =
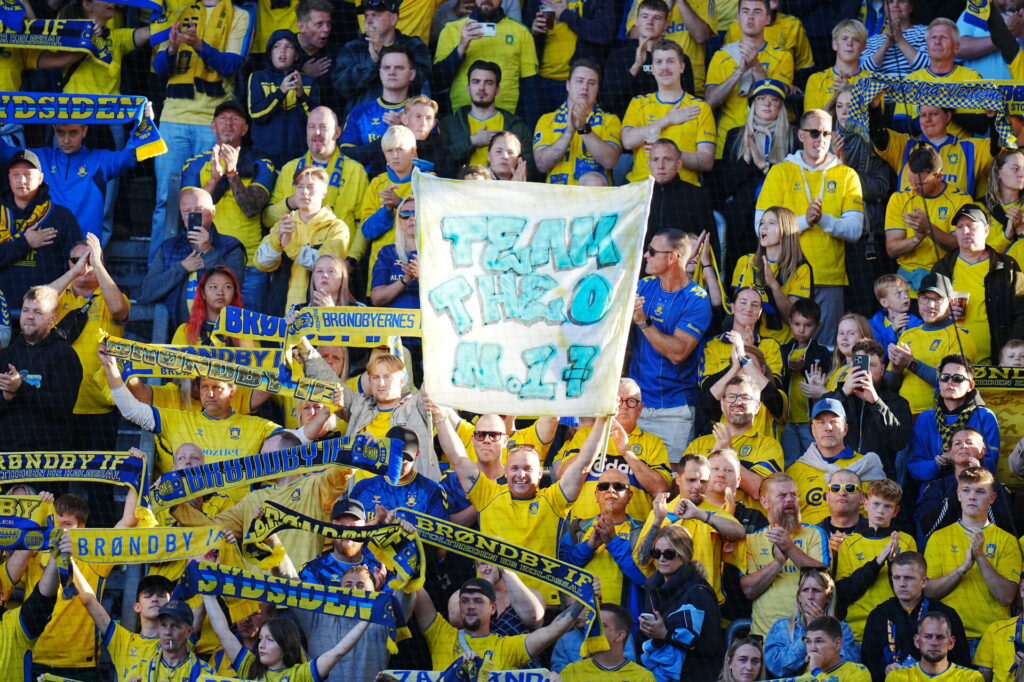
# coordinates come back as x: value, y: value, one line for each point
x: 629, y: 402
x: 952, y: 378
x: 848, y: 488
x: 651, y: 251
x: 667, y: 555
x: 492, y: 436
x: 405, y: 215
x: 817, y: 133
x: 616, y: 486
x: 731, y: 398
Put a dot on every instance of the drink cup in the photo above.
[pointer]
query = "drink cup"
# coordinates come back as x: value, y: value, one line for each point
x: 960, y: 299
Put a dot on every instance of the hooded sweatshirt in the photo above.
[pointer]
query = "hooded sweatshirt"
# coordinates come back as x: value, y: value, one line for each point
x: 279, y: 118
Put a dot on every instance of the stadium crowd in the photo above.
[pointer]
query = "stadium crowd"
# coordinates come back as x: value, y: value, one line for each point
x: 801, y: 477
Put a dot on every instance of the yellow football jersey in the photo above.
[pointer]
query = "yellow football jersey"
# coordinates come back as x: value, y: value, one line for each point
x: 777, y: 601
x: 717, y: 355
x: 940, y: 209
x: 997, y: 650
x: 970, y: 278
x: 495, y: 121
x: 959, y: 74
x: 93, y: 394
x: 965, y: 163
x: 508, y: 653
x: 930, y: 345
x: 560, y: 45
x: 954, y: 673
x: 577, y: 160
x: 14, y: 646
x: 821, y: 86
x: 645, y: 109
x: 371, y: 202
x: 97, y: 77
x: 346, y: 185
x: 997, y: 232
x: 589, y: 670
x: 129, y: 652
x: 602, y: 565
x: 758, y: 451
x: 810, y: 486
x: 856, y: 551
x: 799, y: 285
x: 677, y: 32
x: 300, y: 672
x: 787, y: 32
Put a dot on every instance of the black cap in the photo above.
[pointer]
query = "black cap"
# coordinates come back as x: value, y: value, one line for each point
x: 380, y: 5
x: 346, y: 506
x: 178, y: 610
x: 972, y: 211
x: 410, y: 443
x: 231, y: 105
x: 27, y: 156
x: 480, y: 586
x: 937, y: 282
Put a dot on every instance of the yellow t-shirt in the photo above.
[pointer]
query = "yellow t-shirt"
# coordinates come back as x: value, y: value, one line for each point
x: 996, y: 651
x: 272, y: 16
x: 776, y: 62
x: 577, y: 160
x: 954, y: 673
x: 838, y: 187
x: 970, y: 278
x: 588, y: 670
x: 531, y: 523
x: 759, y: 452
x: 965, y: 163
x: 718, y: 354
x: 495, y: 121
x: 129, y: 652
x: 677, y: 32
x: 837, y: 376
x: 14, y: 646
x: 856, y: 551
x: 810, y: 487
x: 788, y: 33
x: 560, y: 45
x: 93, y: 393
x: 300, y: 672
x: 799, y: 285
x: 645, y: 109
x: 94, y: 77
x: 777, y: 601
x: 12, y: 64
x: 940, y: 209
x: 929, y: 347
x: 509, y: 652
x: 821, y: 86
x: 512, y: 48
x: 646, y: 446
x: 971, y: 598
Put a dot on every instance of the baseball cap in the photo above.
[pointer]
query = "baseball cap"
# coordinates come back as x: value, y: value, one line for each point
x: 937, y: 282
x: 231, y: 105
x: 380, y: 5
x: 410, y: 443
x: 178, y: 610
x: 480, y: 586
x: 346, y: 506
x: 768, y: 86
x: 829, y: 405
x: 27, y: 156
x: 972, y: 211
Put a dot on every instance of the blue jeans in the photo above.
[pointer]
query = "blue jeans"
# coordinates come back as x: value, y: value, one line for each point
x: 254, y: 285
x: 796, y: 438
x: 184, y: 141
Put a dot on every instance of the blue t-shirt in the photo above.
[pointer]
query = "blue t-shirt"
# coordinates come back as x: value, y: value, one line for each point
x: 662, y: 382
x: 421, y: 494
x: 387, y: 269
x: 365, y: 123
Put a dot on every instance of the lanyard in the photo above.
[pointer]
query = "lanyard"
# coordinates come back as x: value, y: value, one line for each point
x: 892, y: 655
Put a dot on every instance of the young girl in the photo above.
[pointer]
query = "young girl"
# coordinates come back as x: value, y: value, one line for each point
x: 1004, y: 202
x: 218, y: 289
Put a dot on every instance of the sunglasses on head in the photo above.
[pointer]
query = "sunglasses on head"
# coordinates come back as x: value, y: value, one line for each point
x: 848, y: 488
x: 406, y: 214
x: 616, y: 486
x: 952, y: 378
x: 817, y: 133
x: 667, y: 555
x: 492, y: 436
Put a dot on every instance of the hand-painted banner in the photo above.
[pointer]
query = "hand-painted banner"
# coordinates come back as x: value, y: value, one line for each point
x: 278, y: 382
x: 55, y: 107
x: 117, y: 468
x: 346, y: 326
x: 262, y: 358
x: 565, y: 577
x: 202, y: 577
x: 1002, y: 389
x: 142, y: 545
x: 527, y: 298
x: 401, y: 554
x: 176, y: 487
x: 525, y: 675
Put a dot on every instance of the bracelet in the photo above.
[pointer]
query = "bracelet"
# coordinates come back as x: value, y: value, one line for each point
x: 707, y: 519
x: 402, y: 280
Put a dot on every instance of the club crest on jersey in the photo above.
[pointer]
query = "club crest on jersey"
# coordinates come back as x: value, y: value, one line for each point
x: 235, y: 432
x: 534, y: 507
x: 954, y: 158
x: 82, y: 172
x: 636, y: 448
x: 935, y: 344
x: 746, y: 450
x: 943, y: 212
x: 410, y: 501
x: 990, y: 551
x: 831, y: 187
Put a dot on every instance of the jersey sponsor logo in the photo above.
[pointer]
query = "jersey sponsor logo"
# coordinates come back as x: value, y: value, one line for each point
x: 815, y: 497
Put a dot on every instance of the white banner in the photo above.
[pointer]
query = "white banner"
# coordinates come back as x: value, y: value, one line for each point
x: 526, y: 292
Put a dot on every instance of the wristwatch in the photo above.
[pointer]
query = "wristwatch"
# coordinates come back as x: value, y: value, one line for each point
x: 645, y: 324
x: 585, y: 130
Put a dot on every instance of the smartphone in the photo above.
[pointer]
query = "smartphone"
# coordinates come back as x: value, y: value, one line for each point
x: 647, y: 616
x: 195, y: 220
x: 862, y: 362
x: 488, y: 29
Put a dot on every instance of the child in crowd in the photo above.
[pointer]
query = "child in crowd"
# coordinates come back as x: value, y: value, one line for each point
x: 798, y: 355
x: 893, y: 294
x: 280, y: 99
x: 848, y: 40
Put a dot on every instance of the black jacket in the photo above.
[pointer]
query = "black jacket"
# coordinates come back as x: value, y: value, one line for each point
x: 39, y: 417
x: 686, y: 589
x: 1004, y: 295
x: 937, y: 507
x: 679, y: 205
x: 457, y: 147
x: 876, y: 652
x: 619, y: 86
x: 883, y: 428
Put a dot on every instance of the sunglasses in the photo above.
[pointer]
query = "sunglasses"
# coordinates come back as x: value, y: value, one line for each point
x: 667, y: 555
x: 651, y: 251
x: 406, y: 214
x: 408, y: 457
x: 492, y: 436
x: 629, y: 402
x: 617, y: 486
x: 952, y: 378
x: 817, y: 133
x: 848, y: 488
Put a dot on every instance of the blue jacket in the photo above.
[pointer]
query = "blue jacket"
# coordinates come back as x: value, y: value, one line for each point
x: 926, y: 445
x: 279, y: 128
x: 77, y: 181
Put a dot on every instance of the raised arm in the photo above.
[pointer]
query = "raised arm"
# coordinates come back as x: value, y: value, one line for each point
x: 96, y: 611
x: 571, y: 480
x: 220, y: 625
x: 539, y: 640
x: 452, y: 446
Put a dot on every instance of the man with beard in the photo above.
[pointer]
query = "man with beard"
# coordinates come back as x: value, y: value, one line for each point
x: 759, y: 453
x: 827, y: 455
x: 710, y: 526
x: 468, y: 131
x: 239, y: 180
x: 935, y: 641
x: 974, y: 565
x: 39, y: 377
x: 603, y: 545
x: 776, y: 554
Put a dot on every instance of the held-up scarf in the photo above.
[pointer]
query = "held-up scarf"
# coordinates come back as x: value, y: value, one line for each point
x: 176, y: 487
x: 11, y: 229
x: 202, y: 577
x: 64, y: 35
x: 26, y: 522
x: 565, y: 577
x: 142, y: 545
x: 400, y: 553
x: 116, y: 468
x: 190, y: 74
x: 54, y: 107
x: 323, y: 326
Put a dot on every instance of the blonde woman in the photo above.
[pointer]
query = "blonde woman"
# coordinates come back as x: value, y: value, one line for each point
x: 1005, y: 201
x: 744, y: 661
